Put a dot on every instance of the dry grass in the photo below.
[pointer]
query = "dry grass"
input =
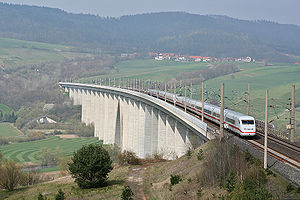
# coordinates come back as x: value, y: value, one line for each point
x: 113, y: 191
x: 201, y: 179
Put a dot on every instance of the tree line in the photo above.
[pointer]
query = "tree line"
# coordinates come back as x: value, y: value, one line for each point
x: 8, y: 117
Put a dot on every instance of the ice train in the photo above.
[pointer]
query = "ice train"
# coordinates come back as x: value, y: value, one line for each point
x: 239, y: 123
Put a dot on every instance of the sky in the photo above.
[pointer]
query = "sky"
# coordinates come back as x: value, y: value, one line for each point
x: 282, y: 11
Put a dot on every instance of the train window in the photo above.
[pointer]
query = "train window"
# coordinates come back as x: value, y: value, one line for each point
x: 216, y: 115
x: 207, y: 111
x: 198, y: 107
x: 247, y: 122
x: 230, y: 120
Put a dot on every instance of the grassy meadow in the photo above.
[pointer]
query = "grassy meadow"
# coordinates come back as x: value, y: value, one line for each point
x: 149, y: 69
x: 28, y: 151
x: 4, y: 108
x: 8, y: 130
x: 116, y: 182
x: 278, y: 78
x: 18, y: 52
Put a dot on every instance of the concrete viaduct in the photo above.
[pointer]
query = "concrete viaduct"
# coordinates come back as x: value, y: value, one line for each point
x: 136, y: 121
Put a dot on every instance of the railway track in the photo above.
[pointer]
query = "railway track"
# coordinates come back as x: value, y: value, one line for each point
x: 277, y: 148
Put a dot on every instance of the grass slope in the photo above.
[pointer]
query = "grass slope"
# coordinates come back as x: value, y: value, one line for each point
x: 18, y: 52
x: 149, y: 69
x: 28, y: 151
x: 113, y: 191
x: 5, y: 108
x: 8, y: 130
x: 157, y: 179
x: 277, y: 78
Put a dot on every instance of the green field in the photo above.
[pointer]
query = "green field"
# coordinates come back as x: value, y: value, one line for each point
x: 4, y: 108
x: 16, y: 53
x: 28, y: 151
x: 8, y: 130
x: 278, y: 78
x: 149, y: 69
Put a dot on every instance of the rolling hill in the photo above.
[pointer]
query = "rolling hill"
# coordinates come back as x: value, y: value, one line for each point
x: 178, y: 32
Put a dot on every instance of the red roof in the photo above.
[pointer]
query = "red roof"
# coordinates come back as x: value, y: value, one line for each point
x: 195, y: 57
x: 153, y: 54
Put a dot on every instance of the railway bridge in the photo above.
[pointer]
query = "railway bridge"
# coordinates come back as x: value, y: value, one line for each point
x: 136, y: 121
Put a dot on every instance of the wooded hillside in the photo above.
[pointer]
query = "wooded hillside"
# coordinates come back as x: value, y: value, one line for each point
x: 177, y: 32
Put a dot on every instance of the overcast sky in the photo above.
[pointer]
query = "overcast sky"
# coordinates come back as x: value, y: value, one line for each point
x: 282, y: 11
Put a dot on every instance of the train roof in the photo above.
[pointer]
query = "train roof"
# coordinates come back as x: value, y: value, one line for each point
x: 227, y: 111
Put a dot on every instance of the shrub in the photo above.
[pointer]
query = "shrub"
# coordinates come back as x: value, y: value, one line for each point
x: 56, y: 132
x: 230, y: 182
x: 41, y: 197
x: 113, y: 151
x: 3, y: 141
x: 249, y: 158
x: 10, y: 175
x: 199, y: 192
x: 127, y: 193
x: 289, y: 188
x: 128, y: 157
x: 60, y: 195
x: 189, y: 153
x: 175, y: 179
x: 90, y: 166
x: 269, y: 172
x: 200, y: 155
x: 63, y: 165
x: 30, y: 178
x: 50, y: 157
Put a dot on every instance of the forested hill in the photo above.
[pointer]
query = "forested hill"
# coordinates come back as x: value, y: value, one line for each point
x: 176, y: 32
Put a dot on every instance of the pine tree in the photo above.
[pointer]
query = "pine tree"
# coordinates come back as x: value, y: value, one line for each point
x: 90, y: 166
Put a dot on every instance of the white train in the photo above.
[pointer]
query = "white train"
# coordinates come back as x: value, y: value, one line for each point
x: 237, y: 122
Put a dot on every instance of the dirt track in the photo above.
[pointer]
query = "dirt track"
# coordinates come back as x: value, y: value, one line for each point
x: 136, y: 182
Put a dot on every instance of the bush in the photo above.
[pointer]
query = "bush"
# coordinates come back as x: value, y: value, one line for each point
x: 10, y: 175
x: 113, y: 151
x: 128, y: 157
x: 56, y: 132
x: 90, y: 166
x: 189, y: 153
x: 127, y: 193
x: 230, y: 182
x: 200, y: 155
x: 289, y: 188
x: 199, y: 192
x: 60, y: 195
x: 175, y: 179
x: 30, y: 178
x: 270, y: 172
x: 50, y: 157
x: 249, y: 158
x: 41, y: 197
x: 3, y: 141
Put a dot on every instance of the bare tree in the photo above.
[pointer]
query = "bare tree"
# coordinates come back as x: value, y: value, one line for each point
x: 10, y: 175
